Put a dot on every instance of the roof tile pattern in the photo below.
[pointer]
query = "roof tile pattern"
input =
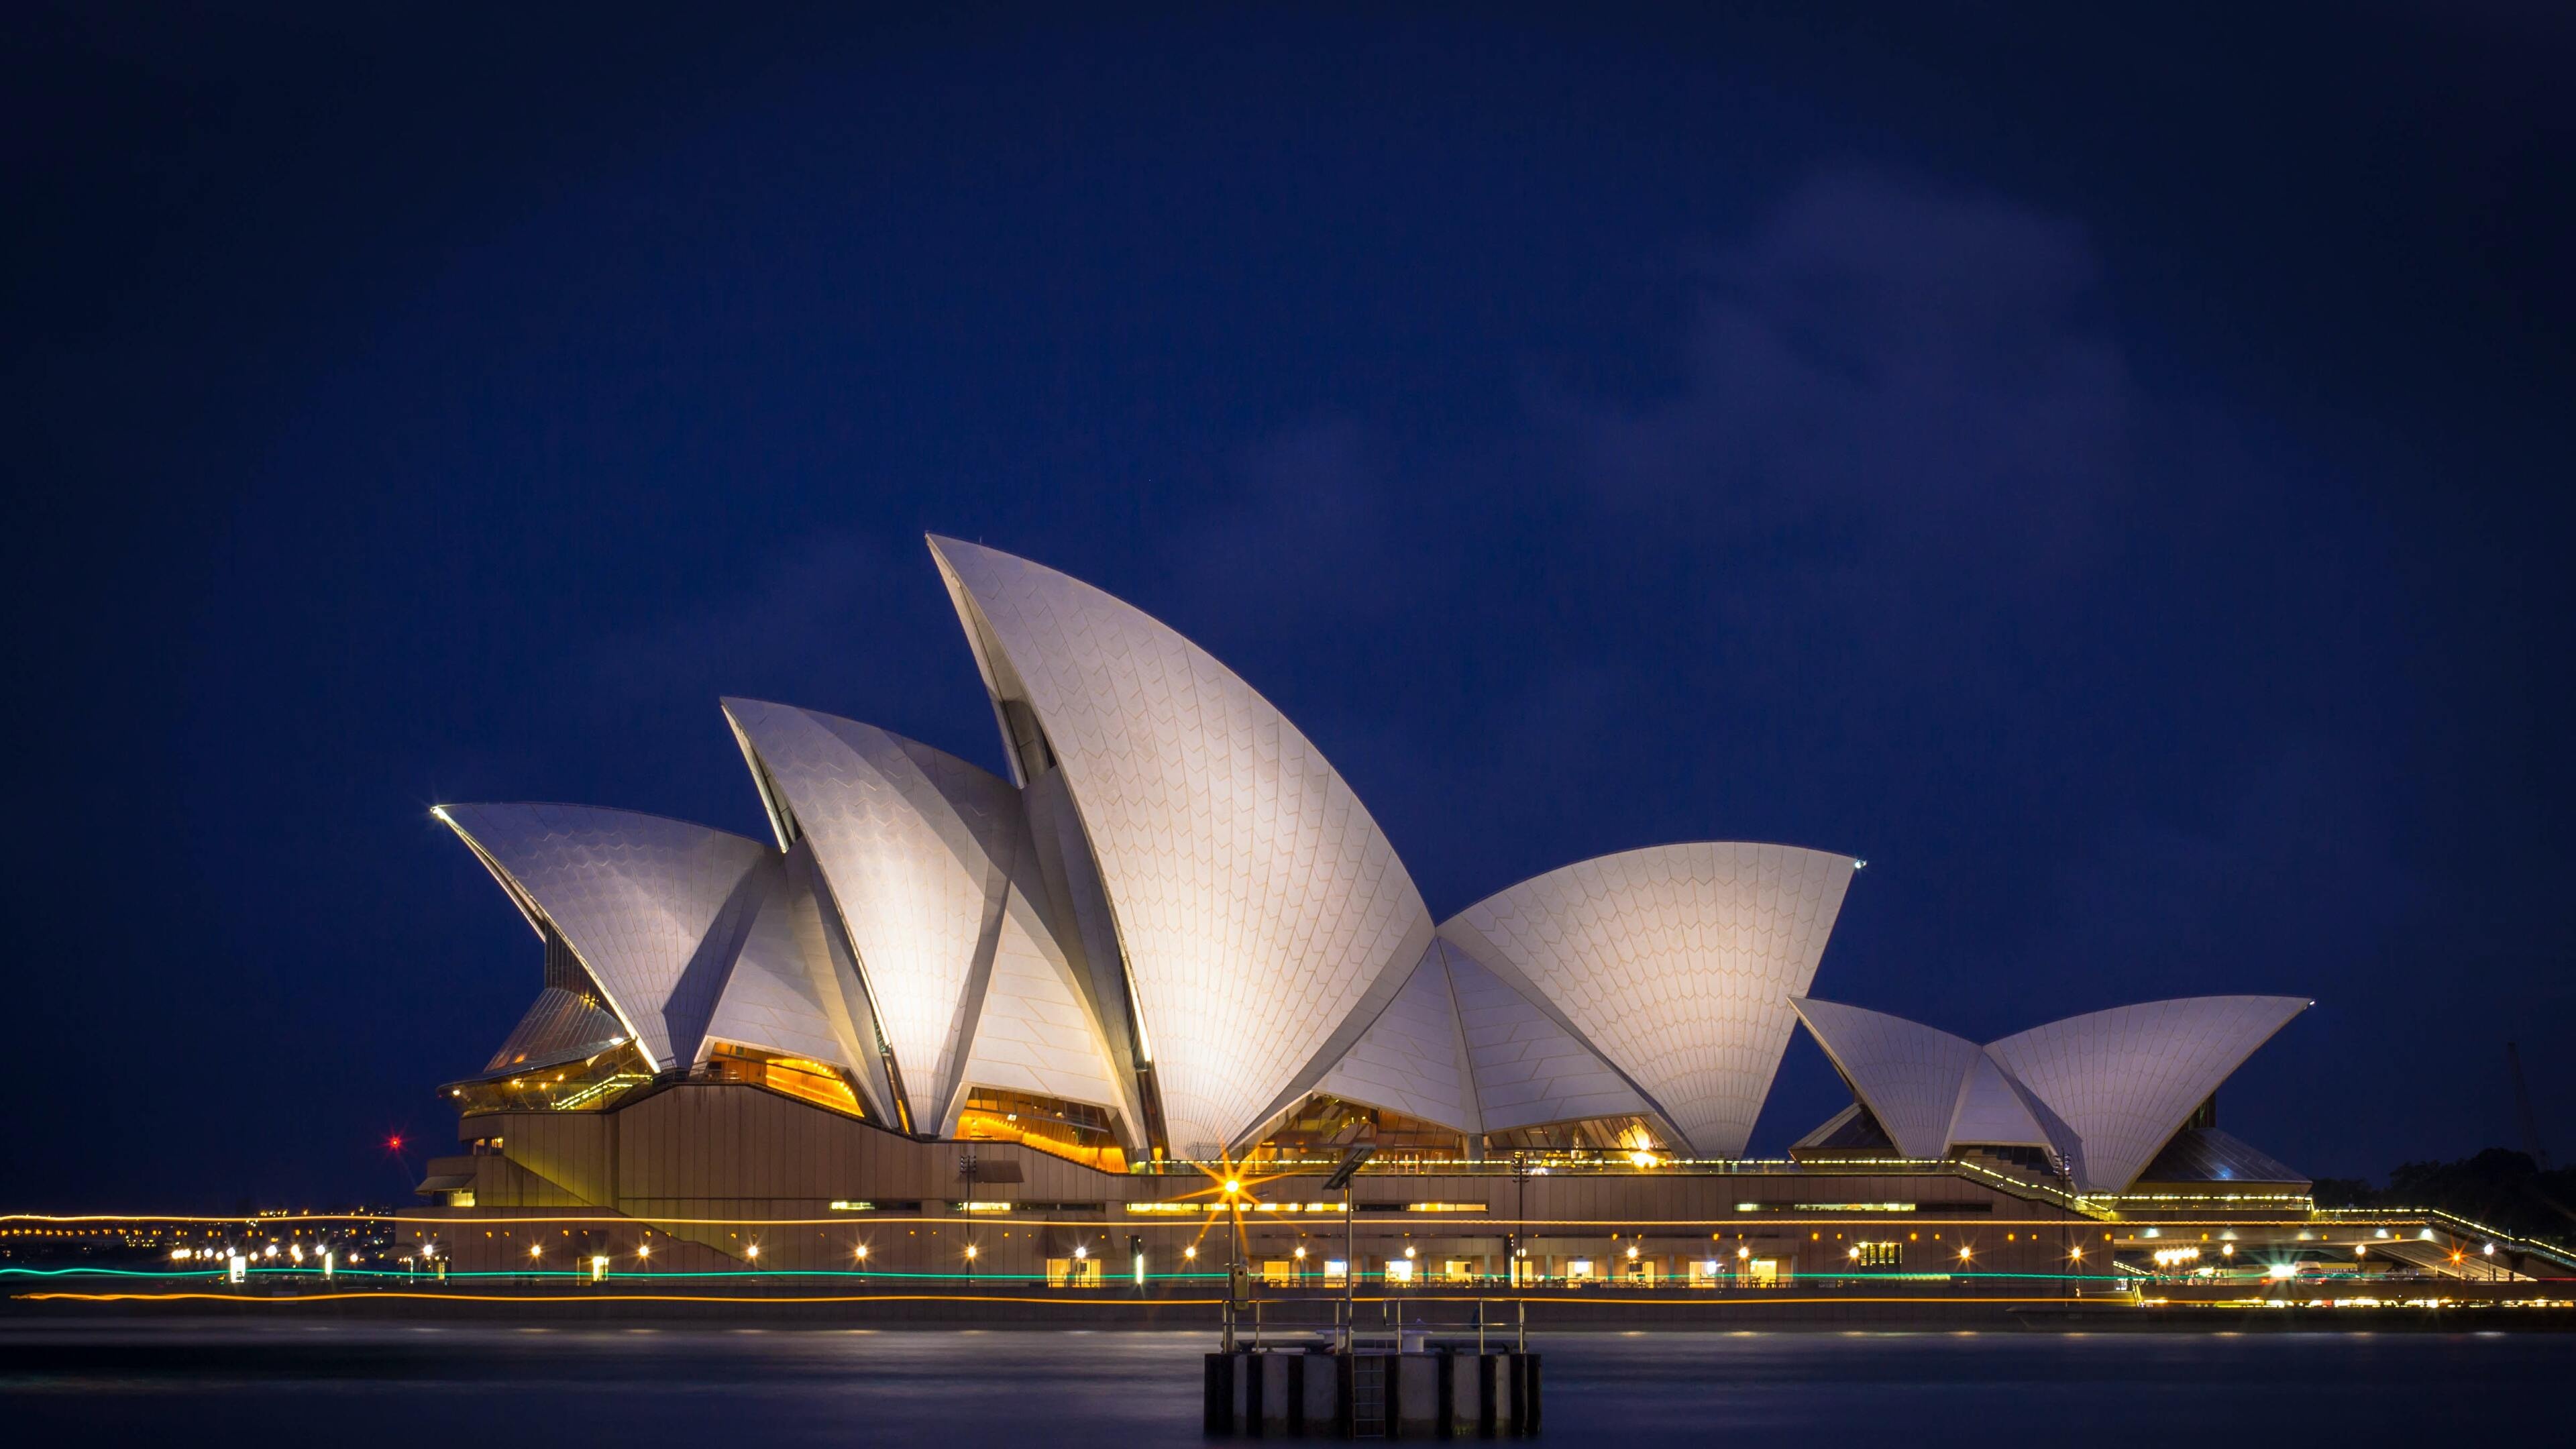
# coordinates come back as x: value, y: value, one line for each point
x: 1258, y: 904
x: 1412, y: 1059
x: 1677, y: 962
x: 1527, y: 1069
x: 1992, y: 1113
x: 1909, y: 1074
x: 634, y: 895
x: 1032, y: 1031
x: 918, y: 846
x: 776, y: 996
x: 2124, y: 1080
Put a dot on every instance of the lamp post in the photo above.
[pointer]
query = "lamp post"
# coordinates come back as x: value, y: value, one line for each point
x: 1233, y: 1255
x: 1520, y: 1223
x: 1342, y: 1174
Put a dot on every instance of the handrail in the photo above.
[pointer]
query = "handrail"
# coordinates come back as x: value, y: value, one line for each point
x: 2462, y: 1227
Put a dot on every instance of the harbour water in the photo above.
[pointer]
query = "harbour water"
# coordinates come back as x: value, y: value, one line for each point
x: 634, y: 1388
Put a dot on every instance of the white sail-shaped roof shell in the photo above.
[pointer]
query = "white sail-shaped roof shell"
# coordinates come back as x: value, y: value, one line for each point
x: 930, y: 865
x: 1413, y: 1058
x: 1993, y: 1112
x: 1032, y: 1030
x: 639, y: 898
x: 1909, y: 1075
x: 1528, y: 1068
x: 2123, y: 1081
x: 1462, y: 1047
x: 1675, y: 962
x: 1263, y: 916
x: 783, y: 994
x: 916, y: 844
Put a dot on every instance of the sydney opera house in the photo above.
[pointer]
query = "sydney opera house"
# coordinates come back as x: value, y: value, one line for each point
x: 944, y: 1021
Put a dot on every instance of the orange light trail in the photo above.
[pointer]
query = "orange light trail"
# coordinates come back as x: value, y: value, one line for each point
x: 602, y: 1298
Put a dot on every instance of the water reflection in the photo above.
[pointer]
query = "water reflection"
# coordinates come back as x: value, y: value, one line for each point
x: 637, y: 1387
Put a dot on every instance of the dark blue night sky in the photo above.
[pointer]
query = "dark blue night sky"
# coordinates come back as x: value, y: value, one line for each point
x: 2113, y: 478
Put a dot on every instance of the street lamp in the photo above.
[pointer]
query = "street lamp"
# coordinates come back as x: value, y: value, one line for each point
x: 1347, y: 1169
x: 1233, y: 1255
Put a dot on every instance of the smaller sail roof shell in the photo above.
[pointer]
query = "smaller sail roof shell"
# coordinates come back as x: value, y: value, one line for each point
x: 1032, y: 1030
x: 1993, y: 1113
x: 781, y: 993
x: 918, y: 846
x: 2124, y: 1081
x: 1676, y: 963
x: 1908, y: 1074
x: 937, y: 882
x: 1413, y: 1058
x: 1529, y: 1070
x: 635, y: 896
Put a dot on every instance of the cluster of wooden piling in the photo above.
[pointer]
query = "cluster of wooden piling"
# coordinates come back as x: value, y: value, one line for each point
x: 1436, y: 1393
